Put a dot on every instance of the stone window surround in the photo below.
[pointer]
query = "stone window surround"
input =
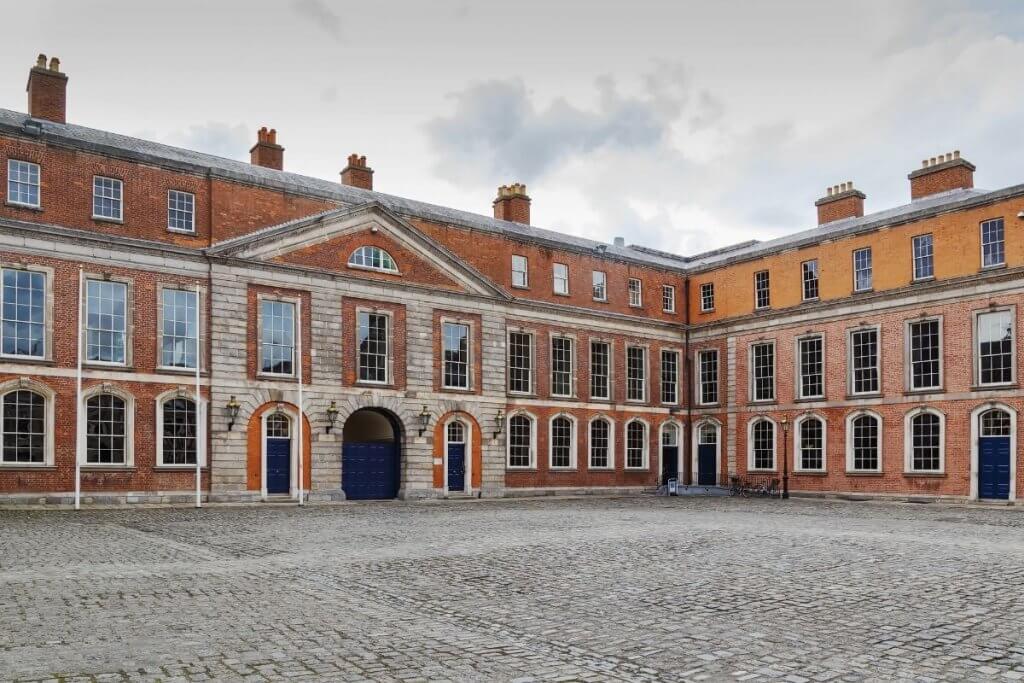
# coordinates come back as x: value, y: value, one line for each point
x: 533, y: 440
x: 879, y: 441
x: 611, y: 442
x: 389, y: 367
x: 49, y: 400
x: 908, y: 371
x: 129, y: 320
x: 129, y: 425
x: 533, y: 360
x: 296, y: 329
x: 573, y: 441
x: 574, y: 363
x: 976, y: 351
x: 850, y: 383
x: 48, y: 273
x: 201, y: 406
x: 797, y: 461
x: 204, y: 329
x: 470, y: 356
x: 798, y: 367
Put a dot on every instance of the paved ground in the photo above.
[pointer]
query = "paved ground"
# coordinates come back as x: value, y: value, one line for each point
x: 644, y: 589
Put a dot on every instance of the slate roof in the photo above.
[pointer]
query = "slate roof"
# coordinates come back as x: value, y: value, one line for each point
x: 114, y: 144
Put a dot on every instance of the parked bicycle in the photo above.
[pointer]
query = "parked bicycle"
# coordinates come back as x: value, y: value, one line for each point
x: 754, y: 486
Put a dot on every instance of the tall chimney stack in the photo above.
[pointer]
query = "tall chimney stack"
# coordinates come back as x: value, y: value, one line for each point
x: 357, y: 173
x: 512, y: 204
x: 941, y: 174
x: 266, y: 152
x: 47, y: 91
x: 840, y: 201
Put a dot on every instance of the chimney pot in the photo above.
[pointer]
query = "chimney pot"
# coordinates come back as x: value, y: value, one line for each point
x: 620, y: 241
x: 840, y: 201
x: 357, y: 173
x: 47, y: 91
x: 266, y: 152
x: 949, y: 171
x: 512, y: 203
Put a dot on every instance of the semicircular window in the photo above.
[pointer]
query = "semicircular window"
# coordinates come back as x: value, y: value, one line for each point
x: 373, y: 258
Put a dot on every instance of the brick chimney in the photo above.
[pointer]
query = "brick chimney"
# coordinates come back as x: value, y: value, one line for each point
x: 47, y: 91
x: 941, y: 174
x: 512, y: 204
x: 357, y: 173
x: 266, y: 152
x: 840, y: 201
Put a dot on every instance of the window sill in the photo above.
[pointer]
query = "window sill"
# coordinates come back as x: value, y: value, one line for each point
x: 636, y: 401
x: 26, y: 467
x: 523, y: 287
x: 636, y: 469
x: 762, y: 308
x: 29, y: 207
x: 854, y: 397
x: 716, y: 404
x: 600, y: 301
x: 858, y: 473
x: 918, y: 280
x: 763, y: 402
x: 607, y: 468
x: 638, y: 306
x: 26, y: 360
x: 458, y: 390
x: 510, y: 468
x: 809, y: 399
x: 812, y: 300
x: 105, y: 219
x: 191, y: 372
x: 565, y: 294
x: 521, y: 394
x: 995, y: 387
x: 276, y: 378
x: 996, y: 266
x: 919, y: 392
x: 867, y: 290
x: 108, y: 468
x: 926, y: 475
x: 371, y: 269
x: 760, y: 471
x: 108, y: 366
x: 373, y: 385
x: 600, y: 399
x: 810, y: 473
x: 563, y: 397
x: 178, y: 468
x: 707, y: 310
x: 179, y: 231
x: 668, y: 312
x: 561, y: 469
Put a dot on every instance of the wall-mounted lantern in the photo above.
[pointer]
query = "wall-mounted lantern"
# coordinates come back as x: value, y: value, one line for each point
x: 499, y: 423
x: 232, y: 408
x: 332, y: 416
x: 424, y: 420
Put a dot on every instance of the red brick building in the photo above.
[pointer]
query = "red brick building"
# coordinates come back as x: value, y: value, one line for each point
x: 436, y: 352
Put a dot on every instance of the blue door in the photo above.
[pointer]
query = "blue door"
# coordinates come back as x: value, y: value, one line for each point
x: 994, y: 467
x: 456, y: 467
x: 279, y: 475
x: 369, y: 471
x: 669, y: 463
x: 706, y: 464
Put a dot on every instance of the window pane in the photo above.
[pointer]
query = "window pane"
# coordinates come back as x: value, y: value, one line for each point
x: 106, y: 321
x: 179, y: 432
x: 599, y: 377
x: 106, y: 198
x: 278, y: 337
x: 924, y: 354
x: 812, y: 454
x: 599, y: 280
x: 635, y: 292
x: 762, y: 294
x: 561, y: 366
x: 707, y: 296
x: 105, y: 430
x: 519, y: 273
x: 864, y: 359
x: 865, y: 443
x: 181, y: 211
x: 810, y: 279
x: 636, y: 381
x: 992, y: 246
x: 923, y: 257
x: 179, y: 338
x: 636, y: 444
x: 811, y: 367
x: 22, y: 182
x: 456, y: 355
x: 23, y: 313
x: 520, y: 362
x: 561, y: 442
x: 708, y: 369
x: 764, y: 445
x: 669, y: 376
x: 373, y: 347
x: 927, y: 438
x: 520, y: 441
x: 995, y: 347
x: 24, y: 427
x: 668, y: 298
x: 561, y: 278
x: 862, y: 269
x: 764, y: 372
x: 600, y: 434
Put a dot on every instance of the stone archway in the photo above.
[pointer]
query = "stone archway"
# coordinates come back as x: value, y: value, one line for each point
x: 371, y: 455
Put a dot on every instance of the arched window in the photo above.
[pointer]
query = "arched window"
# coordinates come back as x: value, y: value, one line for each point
x: 670, y: 434
x: 600, y: 444
x: 864, y: 443
x: 456, y: 432
x: 810, y: 444
x: 24, y: 427
x: 106, y: 430
x: 179, y: 432
x: 636, y: 445
x: 279, y: 426
x: 373, y: 258
x: 561, y: 436
x: 520, y: 441
x: 995, y: 422
x: 707, y: 434
x: 924, y: 441
x: 761, y: 449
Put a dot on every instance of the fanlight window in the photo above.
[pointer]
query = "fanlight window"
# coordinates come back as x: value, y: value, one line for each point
x: 373, y: 258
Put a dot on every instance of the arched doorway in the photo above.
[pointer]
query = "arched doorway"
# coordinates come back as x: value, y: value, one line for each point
x: 994, y: 431
x: 370, y: 455
x: 706, y: 453
x: 279, y: 453
x: 456, y: 440
x: 669, y: 451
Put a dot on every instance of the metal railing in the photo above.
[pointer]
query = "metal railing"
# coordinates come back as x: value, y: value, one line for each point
x: 767, y: 486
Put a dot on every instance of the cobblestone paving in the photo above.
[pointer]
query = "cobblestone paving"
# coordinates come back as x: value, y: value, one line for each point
x: 645, y: 589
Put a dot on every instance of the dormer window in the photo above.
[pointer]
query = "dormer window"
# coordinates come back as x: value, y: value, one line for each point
x: 372, y: 258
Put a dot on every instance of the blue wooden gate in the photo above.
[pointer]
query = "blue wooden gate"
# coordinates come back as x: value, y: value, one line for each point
x: 456, y: 467
x: 994, y: 467
x: 279, y: 470
x: 706, y: 464
x: 369, y: 471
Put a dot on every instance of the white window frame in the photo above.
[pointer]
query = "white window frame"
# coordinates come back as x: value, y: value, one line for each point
x: 851, y: 383
x: 367, y: 252
x: 470, y: 350
x: 767, y: 289
x: 611, y: 443
x: 201, y: 332
x: 751, y: 377
x: 38, y: 185
x: 294, y: 301
x: 572, y: 364
x: 707, y: 296
x: 668, y: 296
x: 804, y: 281
x: 200, y: 405
x: 610, y: 358
x: 129, y: 426
x: 914, y: 257
x: 908, y: 440
x: 879, y: 441
x: 389, y: 333
x: 646, y: 370
x: 750, y: 444
x: 129, y: 321
x: 982, y: 244
x: 661, y: 375
x: 533, y: 440
x: 572, y: 442
x: 49, y: 415
x: 870, y: 269
x: 908, y: 355
x: 191, y: 230
x: 647, y: 445
x: 48, y: 275
x: 636, y: 294
x: 556, y: 279
x: 525, y: 271
x: 119, y: 184
x: 799, y: 366
x: 699, y: 398
x: 599, y: 284
x: 797, y: 453
x: 976, y: 345
x: 533, y: 363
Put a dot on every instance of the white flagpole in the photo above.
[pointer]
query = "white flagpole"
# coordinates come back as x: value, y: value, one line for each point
x: 301, y: 429
x: 79, y: 423
x: 200, y: 440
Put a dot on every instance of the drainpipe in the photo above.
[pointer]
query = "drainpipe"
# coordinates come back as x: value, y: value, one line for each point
x: 688, y: 440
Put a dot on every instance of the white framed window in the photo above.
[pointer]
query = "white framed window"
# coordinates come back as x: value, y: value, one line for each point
x: 924, y: 354
x: 23, y: 313
x: 107, y: 203
x: 761, y: 444
x: 109, y: 430
x: 707, y: 377
x: 809, y: 273
x: 636, y: 292
x: 637, y: 456
x: 600, y: 369
x: 181, y: 211
x: 520, y: 362
x: 863, y: 274
x: 106, y: 307
x: 177, y: 424
x: 562, y: 442
x: 602, y: 444
x: 562, y: 366
x: 599, y: 280
x: 179, y: 337
x: 863, y: 441
x: 23, y: 183
x: 277, y: 337
x: 924, y: 257
x: 636, y: 373
x: 669, y: 376
x: 373, y: 338
x: 668, y: 298
x: 924, y: 441
x: 762, y: 290
x: 370, y: 257
x: 560, y: 273
x: 993, y: 248
x: 762, y: 371
x: 994, y: 362
x: 707, y: 297
x: 26, y: 428
x: 811, y: 366
x: 865, y: 360
x: 520, y: 272
x: 810, y: 443
x: 522, y: 441
x: 455, y: 348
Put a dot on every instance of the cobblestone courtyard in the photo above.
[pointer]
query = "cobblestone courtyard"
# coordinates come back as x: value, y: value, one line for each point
x: 644, y: 589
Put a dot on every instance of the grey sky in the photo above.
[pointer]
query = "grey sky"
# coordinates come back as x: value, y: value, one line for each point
x: 680, y: 125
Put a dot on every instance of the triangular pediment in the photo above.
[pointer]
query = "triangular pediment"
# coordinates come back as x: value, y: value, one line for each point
x: 326, y: 242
